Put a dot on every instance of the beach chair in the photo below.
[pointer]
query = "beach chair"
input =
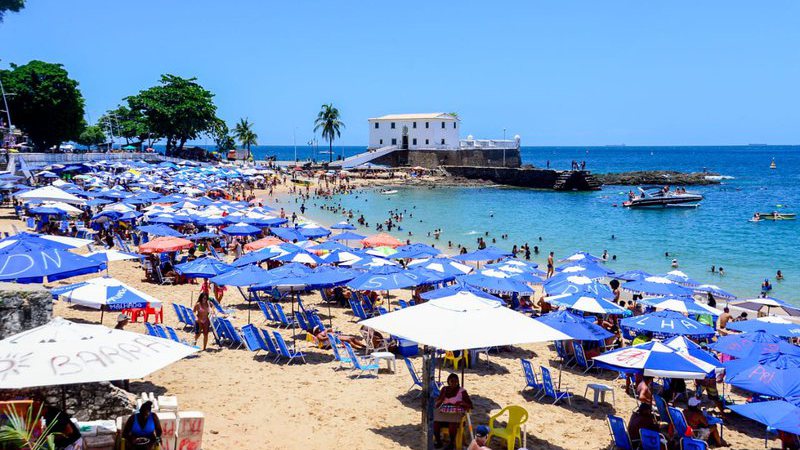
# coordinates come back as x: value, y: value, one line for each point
x: 619, y: 433
x: 214, y: 253
x: 160, y: 331
x: 580, y: 358
x: 517, y: 416
x: 174, y: 336
x: 158, y: 314
x: 661, y: 407
x: 693, y: 444
x: 284, y: 350
x: 361, y: 313
x: 301, y: 321
x: 219, y: 308
x: 285, y: 321
x: 530, y: 378
x: 265, y: 311
x: 233, y: 334
x: 402, y: 304
x: 650, y: 440
x: 178, y: 313
x: 369, y: 341
x: 276, y: 319
x: 335, y: 344
x: 160, y: 278
x: 150, y: 330
x: 679, y: 426
x: 271, y: 348
x: 364, y: 365
x: 455, y: 360
x: 188, y: 314
x: 566, y: 359
x: 251, y: 341
x: 550, y: 390
x: 417, y: 382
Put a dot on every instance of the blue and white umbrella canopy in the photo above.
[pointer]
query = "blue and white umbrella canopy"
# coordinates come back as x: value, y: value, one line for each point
x: 346, y: 236
x: 343, y: 256
x: 111, y: 255
x: 447, y: 291
x: 593, y: 271
x: 312, y: 231
x: 369, y: 262
x: 288, y: 234
x: 416, y: 251
x: 487, y: 254
x: 574, y: 326
x: 771, y: 324
x: 206, y: 267
x: 742, y: 345
x: 256, y: 257
x: 202, y: 235
x: 756, y: 304
x: 666, y: 323
x: 774, y: 374
x: 659, y: 286
x: 32, y: 262
x: 582, y: 257
x: 241, y: 229
x: 159, y: 230
x: 571, y: 284
x: 714, y: 290
x: 681, y: 278
x: 107, y: 293
x: 442, y: 265
x: 680, y: 343
x: 518, y: 264
x: 45, y: 240
x: 431, y: 276
x: 343, y: 225
x: 683, y: 305
x: 246, y: 275
x: 385, y: 278
x: 328, y: 276
x: 783, y: 415
x: 302, y: 257
x: 586, y: 301
x: 496, y: 281
x: 655, y: 359
x: 632, y: 275
x: 330, y: 246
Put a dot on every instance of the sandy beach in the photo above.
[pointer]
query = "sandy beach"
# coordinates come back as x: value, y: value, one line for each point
x: 253, y: 403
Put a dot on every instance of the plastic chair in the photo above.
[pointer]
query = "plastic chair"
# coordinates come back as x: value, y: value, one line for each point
x: 693, y: 444
x: 517, y: 416
x: 619, y: 433
x: 454, y: 360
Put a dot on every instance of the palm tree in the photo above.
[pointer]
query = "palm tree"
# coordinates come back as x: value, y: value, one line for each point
x: 328, y: 121
x: 18, y: 431
x: 245, y: 134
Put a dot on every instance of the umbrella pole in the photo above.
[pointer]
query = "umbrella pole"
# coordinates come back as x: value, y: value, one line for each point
x: 294, y: 338
x: 102, y: 310
x: 427, y: 401
x: 330, y: 315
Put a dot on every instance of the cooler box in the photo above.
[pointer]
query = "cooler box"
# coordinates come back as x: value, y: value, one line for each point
x: 99, y: 442
x: 169, y: 427
x: 190, y: 430
x: 407, y: 348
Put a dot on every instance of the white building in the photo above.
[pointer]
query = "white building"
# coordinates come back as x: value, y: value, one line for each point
x: 415, y: 131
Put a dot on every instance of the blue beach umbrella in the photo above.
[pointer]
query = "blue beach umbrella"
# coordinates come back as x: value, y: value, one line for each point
x: 32, y: 262
x: 655, y: 359
x: 108, y: 294
x: 385, y: 278
x: 48, y: 211
x: 343, y: 256
x: 496, y: 281
x: 241, y: 229
x: 330, y: 246
x: 683, y: 305
x: 571, y: 284
x: 582, y: 257
x: 206, y: 267
x: 369, y: 262
x: 245, y: 275
x: 783, y: 415
x: 346, y: 236
x: 680, y: 343
x: 442, y: 265
x: 313, y: 232
x: 587, y: 301
x: 211, y: 221
x: 447, y: 291
x: 415, y: 251
x: 431, y: 276
x: 302, y: 257
x: 288, y: 234
x: 681, y: 278
x: 714, y: 290
x: 202, y: 235
x: 666, y: 323
x: 771, y: 324
x: 486, y: 254
x: 657, y: 286
x: 328, y: 276
x: 265, y: 221
x: 742, y: 345
x: 774, y: 374
x: 44, y: 240
x: 593, y: 271
x: 159, y: 230
x: 343, y: 225
x: 575, y: 326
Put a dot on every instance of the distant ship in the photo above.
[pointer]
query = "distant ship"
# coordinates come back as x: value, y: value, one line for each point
x: 772, y: 165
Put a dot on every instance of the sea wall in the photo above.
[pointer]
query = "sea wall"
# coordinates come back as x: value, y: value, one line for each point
x: 23, y: 307
x: 88, y: 401
x: 431, y: 159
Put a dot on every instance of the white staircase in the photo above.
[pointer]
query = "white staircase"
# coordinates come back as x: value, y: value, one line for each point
x: 363, y: 158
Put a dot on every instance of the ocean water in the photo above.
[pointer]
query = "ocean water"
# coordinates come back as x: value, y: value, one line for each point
x: 717, y: 233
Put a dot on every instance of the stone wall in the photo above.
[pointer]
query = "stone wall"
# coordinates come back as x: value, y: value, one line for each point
x: 531, y: 178
x: 89, y: 401
x: 23, y: 307
x: 432, y: 159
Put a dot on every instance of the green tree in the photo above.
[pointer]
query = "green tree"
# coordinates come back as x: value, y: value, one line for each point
x: 126, y: 123
x: 47, y: 105
x: 18, y: 431
x: 222, y: 136
x: 92, y: 135
x: 243, y: 131
x: 10, y: 5
x: 328, y: 121
x: 178, y: 109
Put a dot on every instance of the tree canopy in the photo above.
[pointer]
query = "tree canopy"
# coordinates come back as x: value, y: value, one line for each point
x: 178, y: 109
x: 245, y: 134
x: 222, y: 136
x: 126, y: 123
x: 91, y: 136
x: 10, y: 5
x: 46, y: 103
x: 328, y: 121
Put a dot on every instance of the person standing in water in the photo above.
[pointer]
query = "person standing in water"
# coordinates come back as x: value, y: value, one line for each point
x: 550, y: 265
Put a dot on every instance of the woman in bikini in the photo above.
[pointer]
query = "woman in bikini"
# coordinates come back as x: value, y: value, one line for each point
x: 202, y: 309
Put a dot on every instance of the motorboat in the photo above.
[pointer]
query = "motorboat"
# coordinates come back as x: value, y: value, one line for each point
x: 776, y: 216
x: 657, y: 197
x: 388, y: 191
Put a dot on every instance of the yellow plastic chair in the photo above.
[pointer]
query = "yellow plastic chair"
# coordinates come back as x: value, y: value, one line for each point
x: 641, y: 339
x: 454, y: 360
x: 458, y: 442
x: 517, y: 415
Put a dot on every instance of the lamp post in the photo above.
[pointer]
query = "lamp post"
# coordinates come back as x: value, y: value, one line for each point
x: 504, y: 147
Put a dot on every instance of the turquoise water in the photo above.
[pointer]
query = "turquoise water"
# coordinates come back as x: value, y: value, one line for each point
x: 718, y: 233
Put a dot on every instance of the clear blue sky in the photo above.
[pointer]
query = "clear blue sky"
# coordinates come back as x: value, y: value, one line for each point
x: 555, y: 72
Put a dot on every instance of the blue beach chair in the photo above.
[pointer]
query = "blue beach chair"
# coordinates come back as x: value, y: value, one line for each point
x: 549, y: 389
x: 284, y: 350
x: 649, y: 439
x: 693, y: 444
x: 364, y: 365
x: 619, y: 433
x: 580, y: 357
x: 530, y: 378
x: 271, y: 348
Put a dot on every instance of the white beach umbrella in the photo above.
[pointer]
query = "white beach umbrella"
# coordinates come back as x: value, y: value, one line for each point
x: 111, y: 255
x: 50, y: 193
x: 64, y: 352
x: 463, y: 321
x: 69, y: 209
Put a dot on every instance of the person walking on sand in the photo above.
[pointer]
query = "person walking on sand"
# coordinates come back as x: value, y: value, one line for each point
x: 202, y: 310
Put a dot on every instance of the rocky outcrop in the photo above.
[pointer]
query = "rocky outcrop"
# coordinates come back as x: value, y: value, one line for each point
x: 23, y: 307
x: 658, y: 177
x: 88, y: 401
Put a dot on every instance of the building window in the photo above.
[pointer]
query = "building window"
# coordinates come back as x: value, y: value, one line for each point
x: 394, y: 141
x: 442, y: 141
x: 414, y: 125
x: 427, y: 124
x: 392, y: 125
x: 454, y: 124
x: 381, y: 142
x: 442, y: 124
x: 377, y: 125
x: 426, y: 142
x: 414, y: 141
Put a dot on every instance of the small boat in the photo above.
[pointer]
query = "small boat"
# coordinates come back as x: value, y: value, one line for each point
x: 777, y: 216
x: 655, y: 197
x: 772, y: 165
x: 388, y: 191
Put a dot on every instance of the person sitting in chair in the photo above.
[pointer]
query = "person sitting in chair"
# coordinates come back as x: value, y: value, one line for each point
x: 452, y: 403
x: 699, y: 423
x: 481, y: 435
x: 321, y: 336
